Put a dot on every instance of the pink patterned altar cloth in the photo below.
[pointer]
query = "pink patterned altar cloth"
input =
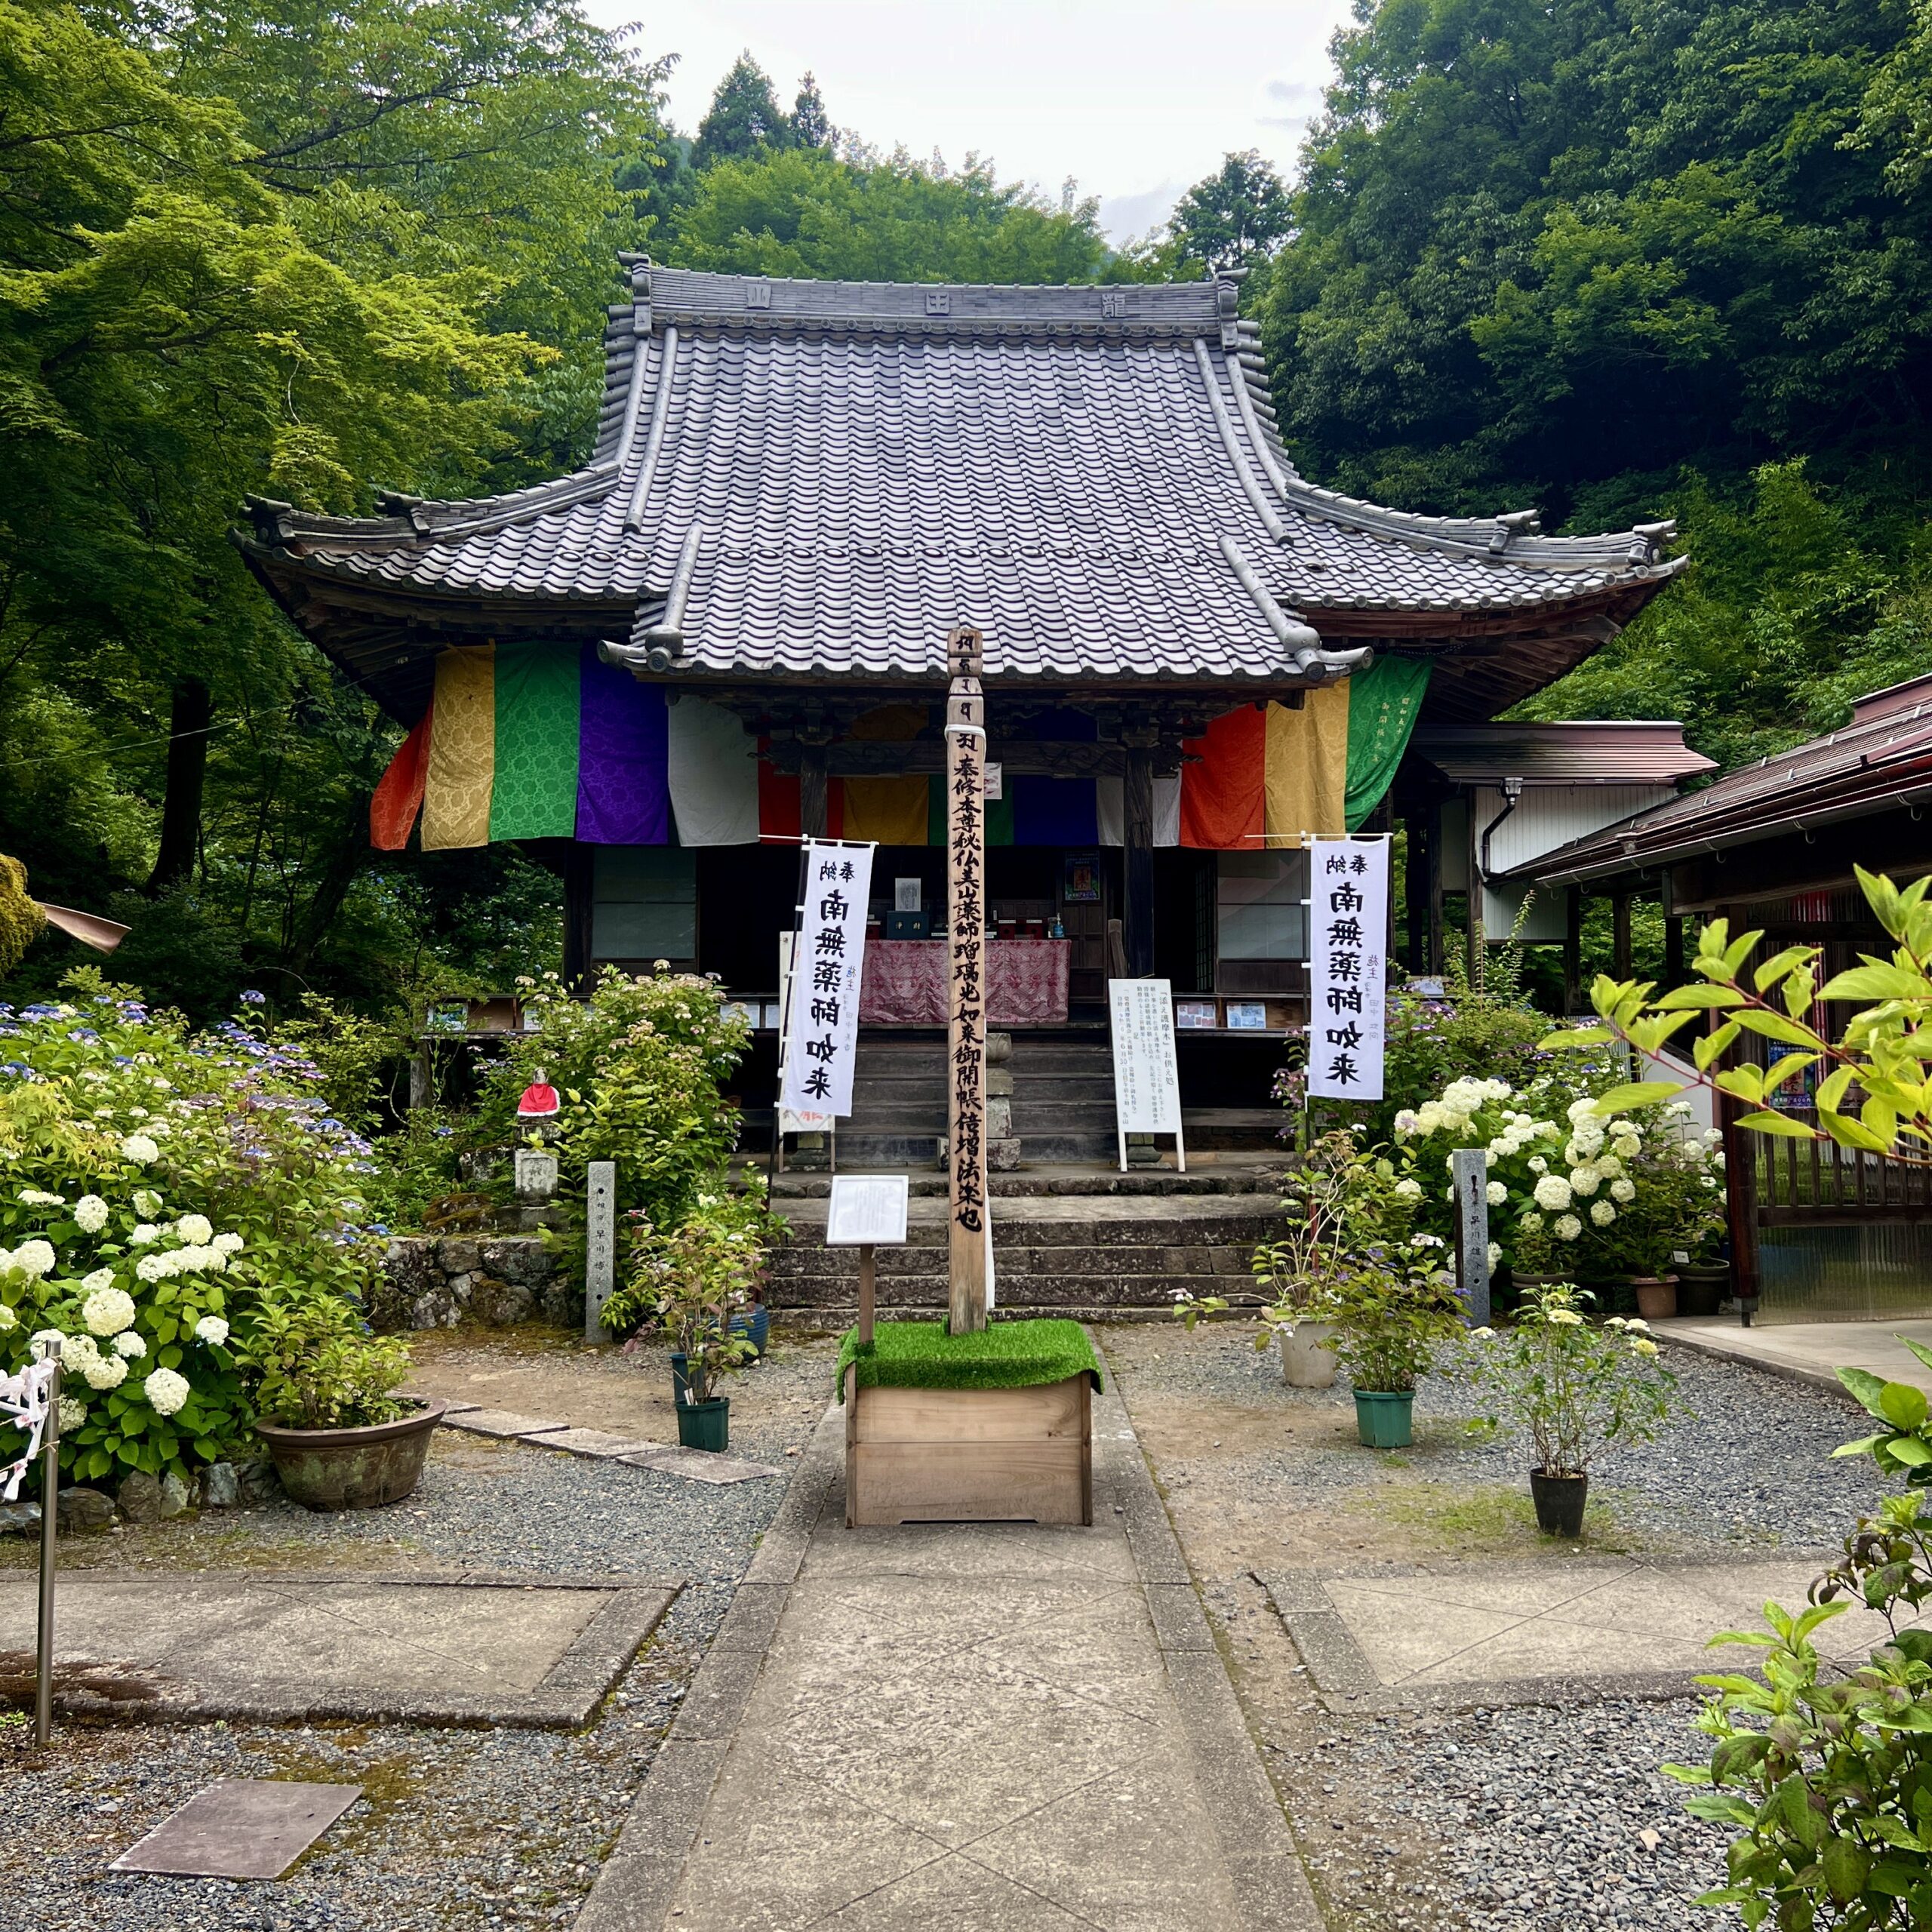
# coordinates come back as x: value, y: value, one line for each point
x: 905, y: 982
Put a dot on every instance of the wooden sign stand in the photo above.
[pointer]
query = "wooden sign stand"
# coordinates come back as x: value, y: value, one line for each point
x: 966, y: 1014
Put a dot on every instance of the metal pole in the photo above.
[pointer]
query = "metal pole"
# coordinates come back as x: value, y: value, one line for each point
x: 50, y: 1512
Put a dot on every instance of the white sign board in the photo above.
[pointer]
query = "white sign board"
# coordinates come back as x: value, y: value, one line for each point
x: 867, y: 1211
x: 1348, y: 965
x: 821, y: 1009
x: 1146, y: 1077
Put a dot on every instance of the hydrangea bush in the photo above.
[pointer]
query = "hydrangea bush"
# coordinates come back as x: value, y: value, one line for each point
x: 163, y: 1184
x: 1570, y: 1189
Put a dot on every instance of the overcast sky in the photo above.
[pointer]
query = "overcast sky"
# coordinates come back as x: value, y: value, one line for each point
x: 1135, y: 100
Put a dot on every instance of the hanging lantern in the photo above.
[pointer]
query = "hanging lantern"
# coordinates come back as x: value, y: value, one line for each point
x: 540, y: 1100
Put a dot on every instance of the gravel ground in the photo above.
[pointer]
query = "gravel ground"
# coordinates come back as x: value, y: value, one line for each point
x: 458, y: 1829
x: 1526, y: 1818
x: 1750, y: 1463
x: 1520, y: 1820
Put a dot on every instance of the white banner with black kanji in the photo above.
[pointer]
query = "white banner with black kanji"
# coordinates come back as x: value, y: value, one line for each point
x: 821, y: 1009
x: 1348, y: 967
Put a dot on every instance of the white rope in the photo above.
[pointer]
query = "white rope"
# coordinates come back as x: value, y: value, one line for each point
x: 23, y: 1403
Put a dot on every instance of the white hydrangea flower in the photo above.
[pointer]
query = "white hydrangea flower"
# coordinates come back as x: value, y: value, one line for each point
x: 130, y: 1345
x: 140, y: 1148
x: 1566, y: 1227
x: 1553, y: 1193
x: 1407, y: 1121
x: 1410, y: 1189
x: 1531, y: 1222
x: 1496, y: 1193
x: 101, y: 1278
x: 76, y: 1352
x: 229, y: 1244
x: 1538, y: 1165
x: 1548, y: 1129
x: 148, y: 1268
x: 196, y: 1229
x: 107, y: 1311
x: 147, y: 1203
x: 1564, y: 1317
x: 1585, y: 1180
x: 166, y: 1391
x: 1623, y: 1190
x: 1495, y: 1253
x: 47, y: 1338
x: 145, y: 1232
x: 1580, y: 1110
x: 91, y: 1213
x: 36, y: 1259
x: 1602, y: 1213
x: 1609, y: 1165
x: 212, y: 1329
x: 105, y: 1372
x: 38, y: 1197
x: 73, y: 1413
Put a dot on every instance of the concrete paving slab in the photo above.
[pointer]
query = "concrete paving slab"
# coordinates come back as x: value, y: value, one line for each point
x: 1503, y: 1632
x: 1810, y: 1352
x: 504, y: 1423
x: 532, y: 1651
x: 698, y: 1464
x: 604, y: 1444
x: 979, y: 1725
x: 240, y: 1828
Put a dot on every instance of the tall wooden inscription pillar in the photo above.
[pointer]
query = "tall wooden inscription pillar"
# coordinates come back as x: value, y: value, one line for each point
x: 966, y: 1001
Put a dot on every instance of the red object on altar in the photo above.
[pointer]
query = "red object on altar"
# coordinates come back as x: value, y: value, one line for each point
x: 905, y: 982
x: 540, y: 1100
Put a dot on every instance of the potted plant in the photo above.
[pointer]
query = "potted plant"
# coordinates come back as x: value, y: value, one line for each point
x: 694, y: 1283
x: 326, y: 1406
x: 1392, y: 1308
x: 1573, y: 1389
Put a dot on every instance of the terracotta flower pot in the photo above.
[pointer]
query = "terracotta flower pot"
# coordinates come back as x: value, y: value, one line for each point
x: 1656, y: 1297
x: 353, y: 1469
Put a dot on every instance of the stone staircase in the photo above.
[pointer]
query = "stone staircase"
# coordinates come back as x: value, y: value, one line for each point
x: 898, y: 1116
x: 1063, y: 1096
x: 1096, y: 1247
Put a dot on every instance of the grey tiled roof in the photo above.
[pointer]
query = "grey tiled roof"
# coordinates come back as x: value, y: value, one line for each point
x: 846, y: 470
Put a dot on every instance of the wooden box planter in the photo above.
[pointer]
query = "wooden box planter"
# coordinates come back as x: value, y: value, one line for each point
x: 918, y: 1453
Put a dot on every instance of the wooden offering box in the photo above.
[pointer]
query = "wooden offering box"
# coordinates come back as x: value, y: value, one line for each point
x: 916, y: 1453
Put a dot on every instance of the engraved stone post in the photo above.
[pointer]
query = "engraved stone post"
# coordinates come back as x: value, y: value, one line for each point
x: 1470, y: 1169
x: 600, y: 1258
x: 966, y: 1019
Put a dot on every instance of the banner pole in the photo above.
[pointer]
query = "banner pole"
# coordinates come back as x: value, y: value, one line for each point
x: 50, y: 1514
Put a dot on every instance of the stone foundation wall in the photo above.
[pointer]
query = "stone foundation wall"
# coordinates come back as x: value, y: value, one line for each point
x: 433, y: 1282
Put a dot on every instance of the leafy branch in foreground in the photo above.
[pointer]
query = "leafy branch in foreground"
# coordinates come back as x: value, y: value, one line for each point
x: 1876, y: 1065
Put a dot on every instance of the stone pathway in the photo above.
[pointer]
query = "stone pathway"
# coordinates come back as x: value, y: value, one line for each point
x: 522, y: 1649
x: 603, y: 1445
x: 1487, y: 1634
x: 1810, y: 1351
x: 991, y: 1726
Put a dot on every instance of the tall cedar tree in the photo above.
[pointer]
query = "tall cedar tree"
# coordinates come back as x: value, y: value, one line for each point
x: 744, y: 117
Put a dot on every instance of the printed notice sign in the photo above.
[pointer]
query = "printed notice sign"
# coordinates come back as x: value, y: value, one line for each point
x: 822, y: 1010
x: 1146, y: 1079
x: 1348, y: 935
x: 867, y: 1211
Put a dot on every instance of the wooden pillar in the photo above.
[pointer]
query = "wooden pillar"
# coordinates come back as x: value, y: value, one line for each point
x: 1438, y: 957
x: 814, y: 794
x: 1473, y: 932
x: 1740, y: 1184
x: 1415, y: 890
x: 1619, y: 932
x: 1137, y: 861
x: 579, y: 892
x: 1673, y: 950
x: 966, y: 1028
x: 1573, y: 949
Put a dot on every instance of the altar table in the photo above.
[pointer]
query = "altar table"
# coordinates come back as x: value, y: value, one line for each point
x: 905, y: 982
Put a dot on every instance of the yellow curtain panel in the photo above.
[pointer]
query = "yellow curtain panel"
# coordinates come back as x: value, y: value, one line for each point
x: 1305, y: 788
x: 463, y: 750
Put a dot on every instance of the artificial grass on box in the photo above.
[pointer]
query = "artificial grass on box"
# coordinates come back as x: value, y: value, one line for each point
x: 1005, y: 1354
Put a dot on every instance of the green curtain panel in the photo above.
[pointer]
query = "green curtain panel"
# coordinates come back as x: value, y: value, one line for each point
x: 1383, y: 701
x: 535, y: 792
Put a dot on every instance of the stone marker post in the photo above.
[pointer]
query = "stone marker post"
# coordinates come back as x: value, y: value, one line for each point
x: 1470, y: 1169
x: 600, y: 1253
x: 966, y: 1016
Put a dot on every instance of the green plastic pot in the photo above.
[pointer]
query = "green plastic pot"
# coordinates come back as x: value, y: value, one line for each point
x: 704, y: 1425
x: 1385, y: 1418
